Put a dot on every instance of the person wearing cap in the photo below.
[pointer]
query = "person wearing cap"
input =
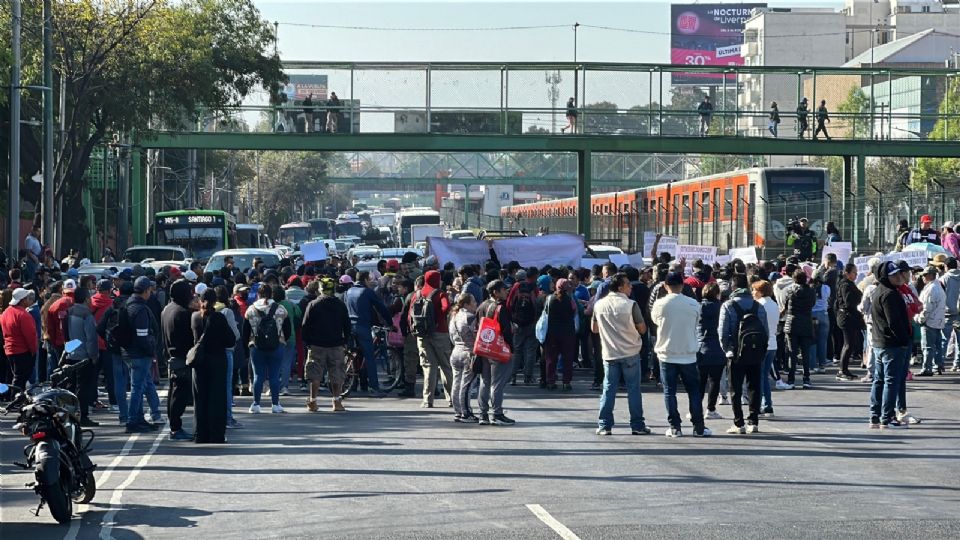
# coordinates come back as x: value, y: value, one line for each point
x: 803, y: 241
x: 55, y: 319
x: 932, y: 320
x: 326, y: 329
x: 19, y: 338
x: 950, y: 239
x: 740, y: 303
x: 493, y: 375
x: 891, y: 338
x: 241, y: 364
x: 102, y: 301
x: 295, y: 291
x: 925, y: 233
x: 950, y: 280
x: 618, y: 322
x: 176, y: 325
x: 140, y: 355
x: 82, y: 325
x: 561, y: 340
x: 676, y: 316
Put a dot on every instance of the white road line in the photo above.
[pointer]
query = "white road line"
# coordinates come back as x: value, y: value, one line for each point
x: 107, y: 523
x: 104, y: 476
x: 551, y: 522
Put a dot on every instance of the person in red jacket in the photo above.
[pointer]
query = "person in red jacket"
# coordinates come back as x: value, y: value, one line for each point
x: 435, y: 348
x: 57, y: 317
x: 19, y: 338
x: 99, y: 304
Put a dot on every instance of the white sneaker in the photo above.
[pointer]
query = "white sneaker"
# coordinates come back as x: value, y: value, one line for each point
x: 724, y: 400
x: 276, y: 409
x: 114, y: 408
x: 908, y: 418
x: 673, y: 433
x: 714, y: 415
x: 784, y: 386
x: 254, y: 409
x: 705, y: 433
x: 736, y: 430
x: 753, y: 428
x: 689, y: 416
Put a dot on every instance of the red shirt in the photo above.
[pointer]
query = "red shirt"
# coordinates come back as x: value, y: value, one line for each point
x: 19, y: 331
x: 56, y: 317
x: 99, y: 304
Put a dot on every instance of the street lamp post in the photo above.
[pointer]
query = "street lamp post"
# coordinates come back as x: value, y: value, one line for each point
x: 576, y: 72
x: 14, y: 193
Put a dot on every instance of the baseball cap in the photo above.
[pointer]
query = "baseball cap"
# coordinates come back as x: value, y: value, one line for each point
x: 200, y: 289
x: 393, y: 265
x: 346, y: 279
x: 948, y: 225
x: 926, y: 219
x: 74, y: 273
x: 175, y: 272
x: 327, y: 284
x: 190, y: 275
x: 294, y: 281
x: 126, y: 288
x: 18, y: 295
x: 69, y: 286
x: 240, y: 288
x: 674, y: 278
x: 564, y: 284
x: 431, y: 261
x: 521, y: 275
x: 126, y: 273
x: 930, y: 270
x: 893, y: 268
x: 84, y: 262
x: 143, y: 284
x: 104, y: 285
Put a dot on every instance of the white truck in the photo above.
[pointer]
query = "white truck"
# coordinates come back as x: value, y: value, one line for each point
x: 383, y: 220
x: 419, y: 233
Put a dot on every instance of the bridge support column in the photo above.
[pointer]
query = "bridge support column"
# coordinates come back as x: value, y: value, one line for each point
x: 844, y: 223
x: 584, y: 182
x: 466, y: 208
x: 860, y: 202
x: 138, y: 203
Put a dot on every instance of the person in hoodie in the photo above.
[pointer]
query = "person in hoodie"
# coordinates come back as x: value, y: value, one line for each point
x: 868, y: 284
x: 366, y: 310
x: 711, y: 360
x: 266, y: 364
x: 521, y: 301
x: 950, y: 281
x: 463, y: 332
x: 82, y: 325
x: 224, y: 308
x: 435, y: 348
x: 739, y: 370
x: 210, y: 392
x: 99, y: 304
x: 141, y: 354
x: 676, y: 316
x: 19, y: 338
x: 702, y: 274
x: 326, y: 329
x: 891, y: 337
x: 178, y: 337
x: 932, y: 320
x: 798, y: 326
x: 241, y: 354
x: 850, y: 320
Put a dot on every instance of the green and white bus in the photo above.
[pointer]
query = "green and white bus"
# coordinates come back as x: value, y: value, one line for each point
x: 201, y: 232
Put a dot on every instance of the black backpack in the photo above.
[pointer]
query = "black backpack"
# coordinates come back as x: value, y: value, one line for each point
x: 752, y: 338
x: 268, y: 333
x: 524, y: 309
x: 422, y: 315
x: 123, y: 332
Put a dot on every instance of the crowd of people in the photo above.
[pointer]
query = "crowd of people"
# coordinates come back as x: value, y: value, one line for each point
x: 731, y: 334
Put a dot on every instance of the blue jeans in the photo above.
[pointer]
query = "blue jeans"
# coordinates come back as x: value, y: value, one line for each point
x: 931, y: 341
x: 267, y: 364
x: 669, y: 373
x: 53, y: 357
x: 121, y: 379
x: 365, y: 340
x: 823, y: 335
x: 629, y: 368
x: 887, y: 365
x: 289, y: 357
x: 142, y: 385
x: 949, y: 330
x: 766, y: 396
x: 229, y: 385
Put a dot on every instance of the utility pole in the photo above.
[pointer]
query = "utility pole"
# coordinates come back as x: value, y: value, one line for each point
x: 123, y: 188
x: 576, y: 72
x: 48, y: 186
x: 192, y: 179
x: 553, y: 92
x: 13, y: 206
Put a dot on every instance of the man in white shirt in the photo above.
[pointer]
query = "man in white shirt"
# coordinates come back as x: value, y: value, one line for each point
x: 676, y: 317
x: 932, y: 319
x: 34, y: 250
x: 619, y: 322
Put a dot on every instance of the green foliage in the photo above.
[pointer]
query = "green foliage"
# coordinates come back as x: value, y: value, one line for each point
x: 944, y: 170
x: 856, y: 103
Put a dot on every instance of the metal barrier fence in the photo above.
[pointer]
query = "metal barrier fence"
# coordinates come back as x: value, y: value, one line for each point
x: 612, y: 99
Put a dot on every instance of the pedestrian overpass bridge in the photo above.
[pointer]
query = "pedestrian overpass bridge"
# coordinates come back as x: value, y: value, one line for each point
x: 516, y: 108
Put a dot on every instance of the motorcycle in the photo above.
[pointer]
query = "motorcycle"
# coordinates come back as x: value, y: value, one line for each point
x: 49, y: 415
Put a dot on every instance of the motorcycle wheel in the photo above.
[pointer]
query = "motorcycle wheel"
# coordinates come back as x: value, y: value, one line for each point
x: 89, y: 490
x: 60, y: 505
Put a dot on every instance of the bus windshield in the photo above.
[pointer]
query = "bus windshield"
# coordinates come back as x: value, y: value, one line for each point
x: 295, y: 235
x: 200, y: 241
x: 349, y: 228
x: 320, y: 228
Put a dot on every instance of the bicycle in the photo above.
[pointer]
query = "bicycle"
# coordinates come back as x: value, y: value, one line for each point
x: 389, y: 360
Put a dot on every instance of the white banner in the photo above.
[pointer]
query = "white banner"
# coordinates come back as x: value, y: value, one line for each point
x: 649, y: 237
x: 554, y: 249
x: 913, y: 258
x: 459, y: 252
x: 314, y: 251
x: 842, y: 250
x: 747, y: 255
x: 691, y: 253
x: 636, y: 260
x: 722, y: 260
x: 619, y: 259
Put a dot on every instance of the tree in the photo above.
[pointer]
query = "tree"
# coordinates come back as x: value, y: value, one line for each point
x: 947, y: 128
x: 131, y: 64
x: 857, y: 106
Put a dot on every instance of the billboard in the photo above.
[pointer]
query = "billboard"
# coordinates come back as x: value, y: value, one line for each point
x: 707, y: 35
x: 301, y: 86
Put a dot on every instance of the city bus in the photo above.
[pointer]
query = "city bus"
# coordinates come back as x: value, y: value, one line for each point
x: 251, y: 235
x: 294, y: 234
x: 321, y: 228
x: 348, y: 225
x: 201, y: 232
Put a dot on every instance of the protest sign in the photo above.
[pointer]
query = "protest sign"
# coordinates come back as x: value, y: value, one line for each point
x: 667, y: 244
x: 841, y: 249
x: 554, y: 249
x: 691, y: 253
x: 636, y: 260
x: 649, y: 237
x: 314, y: 251
x: 747, y: 255
x: 619, y: 259
x: 458, y: 251
x: 722, y: 260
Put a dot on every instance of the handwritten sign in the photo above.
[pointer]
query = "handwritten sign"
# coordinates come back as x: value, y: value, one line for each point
x: 691, y: 253
x: 747, y: 255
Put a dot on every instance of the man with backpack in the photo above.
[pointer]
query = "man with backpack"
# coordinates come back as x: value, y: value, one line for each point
x: 744, y: 337
x: 175, y: 321
x: 521, y: 302
x: 137, y: 332
x: 107, y: 330
x: 428, y: 318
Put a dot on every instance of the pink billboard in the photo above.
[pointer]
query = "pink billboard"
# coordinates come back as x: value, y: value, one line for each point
x: 707, y: 35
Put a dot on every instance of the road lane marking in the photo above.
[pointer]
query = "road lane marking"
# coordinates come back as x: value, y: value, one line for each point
x: 107, y: 523
x: 104, y: 476
x: 552, y: 522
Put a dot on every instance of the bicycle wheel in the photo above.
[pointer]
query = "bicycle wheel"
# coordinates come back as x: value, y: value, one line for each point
x: 353, y: 358
x: 395, y: 361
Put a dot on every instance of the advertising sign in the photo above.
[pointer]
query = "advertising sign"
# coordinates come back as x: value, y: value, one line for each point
x: 301, y: 86
x: 707, y: 35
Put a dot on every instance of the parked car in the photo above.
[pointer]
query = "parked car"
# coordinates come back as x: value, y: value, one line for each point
x: 138, y: 254
x: 243, y: 259
x: 96, y: 269
x: 600, y: 251
x: 462, y: 234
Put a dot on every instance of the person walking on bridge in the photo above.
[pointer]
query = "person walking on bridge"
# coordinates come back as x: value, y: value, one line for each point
x: 705, y: 110
x: 802, y: 113
x: 822, y: 117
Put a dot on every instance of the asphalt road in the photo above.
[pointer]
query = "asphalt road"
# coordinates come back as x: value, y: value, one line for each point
x: 388, y: 469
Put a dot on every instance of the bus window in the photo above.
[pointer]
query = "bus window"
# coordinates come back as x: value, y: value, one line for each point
x: 728, y: 203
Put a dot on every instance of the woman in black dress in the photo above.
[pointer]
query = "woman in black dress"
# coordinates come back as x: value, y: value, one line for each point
x: 210, y: 370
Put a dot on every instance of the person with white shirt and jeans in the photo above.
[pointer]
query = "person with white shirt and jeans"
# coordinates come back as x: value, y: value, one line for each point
x: 676, y: 317
x: 618, y: 321
x: 932, y: 319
